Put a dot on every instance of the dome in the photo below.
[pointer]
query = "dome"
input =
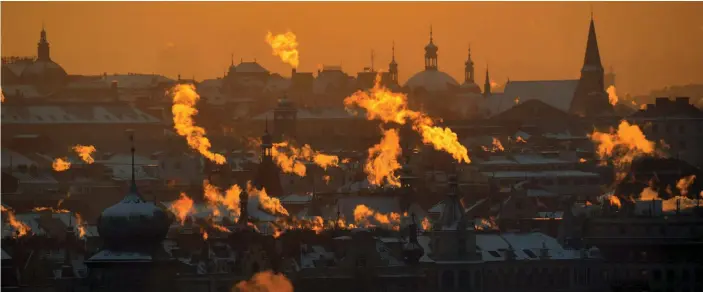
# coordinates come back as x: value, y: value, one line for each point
x: 432, y: 80
x: 44, y: 70
x: 133, y: 223
x: 470, y: 87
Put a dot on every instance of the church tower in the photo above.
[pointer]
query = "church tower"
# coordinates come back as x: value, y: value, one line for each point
x: 284, y: 119
x: 43, y: 47
x: 393, y: 66
x: 590, y: 98
x: 431, y: 54
x: 469, y: 69
x: 267, y: 176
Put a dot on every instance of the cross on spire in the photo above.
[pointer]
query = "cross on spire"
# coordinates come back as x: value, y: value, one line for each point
x: 430, y: 33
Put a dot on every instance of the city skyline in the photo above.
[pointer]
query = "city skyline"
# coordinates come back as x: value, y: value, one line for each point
x: 201, y: 46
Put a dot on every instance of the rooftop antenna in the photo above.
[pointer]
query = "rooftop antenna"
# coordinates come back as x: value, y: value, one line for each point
x: 372, y: 61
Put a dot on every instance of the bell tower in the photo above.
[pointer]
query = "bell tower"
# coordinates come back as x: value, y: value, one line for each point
x: 43, y: 47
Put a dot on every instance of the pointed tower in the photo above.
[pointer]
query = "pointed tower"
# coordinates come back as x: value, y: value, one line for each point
x: 590, y: 97
x: 243, y: 207
x: 469, y: 69
x: 431, y: 54
x: 43, y: 47
x: 487, y: 85
x: 453, y: 236
x: 412, y: 251
x: 393, y: 66
x: 267, y: 175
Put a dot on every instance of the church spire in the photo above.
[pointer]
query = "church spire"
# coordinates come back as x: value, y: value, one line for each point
x: 469, y: 69
x: 393, y: 66
x: 592, y: 60
x: 487, y: 85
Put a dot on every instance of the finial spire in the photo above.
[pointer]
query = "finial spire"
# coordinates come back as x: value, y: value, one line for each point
x: 393, y: 51
x: 430, y: 33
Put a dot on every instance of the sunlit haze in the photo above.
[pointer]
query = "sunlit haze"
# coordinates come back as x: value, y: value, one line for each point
x: 649, y: 45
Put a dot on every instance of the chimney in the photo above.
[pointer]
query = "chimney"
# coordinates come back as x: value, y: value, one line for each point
x: 661, y: 102
x: 682, y: 101
x: 293, y: 72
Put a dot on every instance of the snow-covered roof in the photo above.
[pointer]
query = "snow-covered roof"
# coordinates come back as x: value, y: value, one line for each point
x: 119, y: 256
x: 537, y: 174
x: 26, y: 90
x: 14, y: 158
x: 5, y: 255
x: 317, y: 113
x: 556, y: 93
x: 75, y: 114
x: 296, y: 199
x: 526, y: 246
x: 134, y: 81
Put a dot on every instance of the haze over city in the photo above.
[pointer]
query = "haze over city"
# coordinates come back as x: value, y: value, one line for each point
x: 649, y: 45
x: 419, y: 147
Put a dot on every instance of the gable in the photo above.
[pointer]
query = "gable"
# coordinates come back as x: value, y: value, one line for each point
x: 531, y: 110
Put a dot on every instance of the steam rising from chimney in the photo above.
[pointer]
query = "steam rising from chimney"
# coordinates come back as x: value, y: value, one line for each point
x: 383, y: 160
x: 284, y: 46
x: 382, y: 104
x: 184, y: 99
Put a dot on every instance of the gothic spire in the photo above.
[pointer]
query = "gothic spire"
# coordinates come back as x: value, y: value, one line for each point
x: 487, y: 85
x: 592, y: 58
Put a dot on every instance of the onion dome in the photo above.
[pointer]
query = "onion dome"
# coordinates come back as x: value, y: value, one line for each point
x: 412, y: 251
x: 133, y: 223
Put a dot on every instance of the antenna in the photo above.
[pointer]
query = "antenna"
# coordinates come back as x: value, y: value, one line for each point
x: 372, y: 60
x: 131, y: 140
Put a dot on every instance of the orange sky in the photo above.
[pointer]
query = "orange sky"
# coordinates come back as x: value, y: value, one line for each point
x: 650, y: 45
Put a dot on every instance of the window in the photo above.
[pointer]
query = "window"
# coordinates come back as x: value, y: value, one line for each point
x: 448, y: 280
x: 657, y: 274
x: 655, y: 128
x: 670, y: 275
x: 464, y: 280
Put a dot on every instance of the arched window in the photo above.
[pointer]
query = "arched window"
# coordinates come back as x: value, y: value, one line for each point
x: 448, y: 280
x: 464, y: 280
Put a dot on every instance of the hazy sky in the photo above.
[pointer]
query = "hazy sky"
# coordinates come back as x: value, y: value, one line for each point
x: 650, y: 45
